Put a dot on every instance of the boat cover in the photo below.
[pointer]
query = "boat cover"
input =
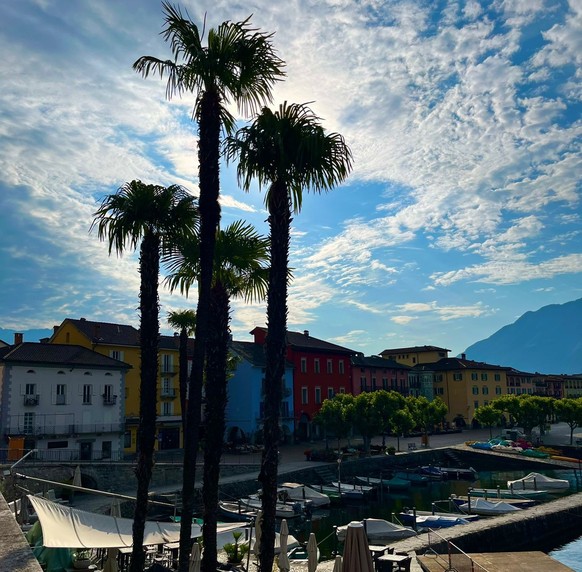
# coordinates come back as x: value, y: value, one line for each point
x: 65, y: 527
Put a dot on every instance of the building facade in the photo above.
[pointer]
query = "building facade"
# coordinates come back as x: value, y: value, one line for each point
x: 63, y: 400
x: 121, y: 341
x: 372, y: 373
x: 414, y: 355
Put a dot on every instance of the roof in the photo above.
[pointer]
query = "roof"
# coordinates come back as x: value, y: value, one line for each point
x: 456, y: 364
x: 303, y: 340
x: 377, y: 362
x: 120, y: 334
x: 58, y: 354
x: 415, y: 349
x: 253, y: 353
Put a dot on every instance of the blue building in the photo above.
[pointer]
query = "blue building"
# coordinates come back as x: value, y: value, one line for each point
x: 245, y: 406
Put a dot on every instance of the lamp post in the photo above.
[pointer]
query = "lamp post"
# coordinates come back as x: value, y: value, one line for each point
x: 339, y: 475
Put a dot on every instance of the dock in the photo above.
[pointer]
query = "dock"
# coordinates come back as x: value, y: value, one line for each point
x: 496, y: 562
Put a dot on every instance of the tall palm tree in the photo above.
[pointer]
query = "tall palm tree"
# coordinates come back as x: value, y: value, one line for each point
x: 185, y: 321
x: 289, y: 151
x: 238, y: 64
x: 157, y: 216
x: 240, y: 270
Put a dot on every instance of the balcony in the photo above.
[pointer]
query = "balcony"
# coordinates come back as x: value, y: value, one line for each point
x: 30, y: 400
x: 168, y: 369
x: 61, y: 400
x: 64, y: 430
x: 109, y: 399
x: 168, y: 393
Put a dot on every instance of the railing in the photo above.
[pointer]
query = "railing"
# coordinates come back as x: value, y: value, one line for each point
x: 61, y: 400
x: 168, y: 392
x: 109, y: 399
x: 455, y: 560
x: 31, y: 399
x: 167, y: 369
x: 65, y: 429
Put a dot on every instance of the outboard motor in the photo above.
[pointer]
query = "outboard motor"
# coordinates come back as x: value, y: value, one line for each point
x: 297, y: 509
x: 308, y: 509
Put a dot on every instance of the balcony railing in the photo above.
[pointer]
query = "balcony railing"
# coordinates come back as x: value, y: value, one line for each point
x: 66, y: 430
x: 31, y: 399
x: 168, y: 369
x: 109, y: 399
x: 168, y: 392
x: 61, y: 400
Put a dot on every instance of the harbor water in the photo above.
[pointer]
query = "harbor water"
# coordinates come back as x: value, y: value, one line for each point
x: 386, y: 505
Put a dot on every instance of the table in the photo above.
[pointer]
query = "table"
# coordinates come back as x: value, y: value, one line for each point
x: 390, y: 559
x: 377, y: 550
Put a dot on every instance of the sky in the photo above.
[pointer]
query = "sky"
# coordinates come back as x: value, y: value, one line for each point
x: 461, y: 213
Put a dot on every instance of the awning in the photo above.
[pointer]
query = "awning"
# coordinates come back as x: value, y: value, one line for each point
x: 65, y: 527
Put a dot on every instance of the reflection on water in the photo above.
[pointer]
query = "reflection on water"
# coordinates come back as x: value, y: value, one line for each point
x: 570, y: 554
x: 386, y: 504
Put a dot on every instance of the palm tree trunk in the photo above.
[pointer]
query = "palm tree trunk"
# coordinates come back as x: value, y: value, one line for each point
x: 149, y: 265
x: 279, y: 223
x: 208, y: 157
x: 183, y: 379
x: 216, y: 396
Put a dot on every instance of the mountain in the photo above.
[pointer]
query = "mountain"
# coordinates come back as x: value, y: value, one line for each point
x: 548, y: 340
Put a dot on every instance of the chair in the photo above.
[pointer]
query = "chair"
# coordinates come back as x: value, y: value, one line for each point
x: 383, y: 566
x: 405, y: 565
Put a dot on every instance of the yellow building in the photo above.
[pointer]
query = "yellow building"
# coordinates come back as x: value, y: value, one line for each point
x: 465, y: 385
x: 416, y: 354
x: 121, y: 342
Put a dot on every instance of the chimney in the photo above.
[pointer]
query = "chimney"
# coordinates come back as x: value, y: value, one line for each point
x: 55, y: 328
x: 463, y: 356
x: 306, y: 333
x: 18, y: 337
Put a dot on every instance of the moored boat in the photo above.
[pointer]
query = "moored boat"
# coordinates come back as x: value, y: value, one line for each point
x: 343, y: 494
x: 379, y: 531
x: 299, y: 492
x: 484, y: 507
x: 459, y: 473
x: 500, y: 493
x: 519, y: 502
x: 412, y: 476
x: 282, y: 510
x: 425, y: 519
x: 538, y: 481
x: 393, y: 484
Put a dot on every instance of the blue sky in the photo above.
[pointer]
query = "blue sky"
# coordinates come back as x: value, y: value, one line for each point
x: 462, y: 212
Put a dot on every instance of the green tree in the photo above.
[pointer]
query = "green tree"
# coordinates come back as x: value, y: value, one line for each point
x: 185, y: 322
x: 367, y: 419
x: 157, y: 217
x: 426, y: 413
x: 387, y: 404
x: 240, y: 270
x: 335, y: 416
x: 289, y: 151
x: 401, y: 423
x: 508, y: 404
x: 237, y: 64
x: 569, y: 411
x: 488, y: 416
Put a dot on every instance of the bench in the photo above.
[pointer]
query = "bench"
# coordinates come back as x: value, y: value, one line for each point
x: 412, y: 446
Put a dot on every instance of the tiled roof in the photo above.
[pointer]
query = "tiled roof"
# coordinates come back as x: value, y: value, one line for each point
x: 456, y: 364
x: 377, y: 362
x: 305, y: 341
x: 253, y: 353
x: 59, y: 354
x: 414, y: 349
x: 121, y: 334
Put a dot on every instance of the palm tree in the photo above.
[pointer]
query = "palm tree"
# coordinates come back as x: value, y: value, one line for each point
x: 156, y: 216
x: 185, y: 321
x: 290, y: 151
x: 239, y: 64
x: 239, y: 271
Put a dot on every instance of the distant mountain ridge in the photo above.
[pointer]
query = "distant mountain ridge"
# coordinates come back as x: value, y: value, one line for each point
x: 29, y: 335
x: 548, y: 340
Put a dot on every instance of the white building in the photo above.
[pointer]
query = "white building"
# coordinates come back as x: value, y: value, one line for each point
x: 66, y: 401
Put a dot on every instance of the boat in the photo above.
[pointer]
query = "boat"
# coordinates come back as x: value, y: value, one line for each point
x: 432, y: 472
x: 343, y: 494
x: 282, y: 510
x: 425, y: 519
x: 379, y: 531
x: 500, y: 493
x: 299, y: 492
x: 393, y: 484
x: 538, y: 481
x: 519, y: 502
x: 412, y: 476
x: 366, y: 489
x: 484, y: 507
x: 235, y: 510
x: 459, y: 473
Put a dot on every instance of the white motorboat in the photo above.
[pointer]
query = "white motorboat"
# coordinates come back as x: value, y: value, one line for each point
x: 299, y: 492
x: 537, y: 481
x: 366, y: 489
x: 484, y: 507
x: 494, y: 494
x: 379, y: 531
x: 282, y: 510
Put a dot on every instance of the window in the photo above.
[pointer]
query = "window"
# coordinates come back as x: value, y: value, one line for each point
x: 485, y: 390
x: 30, y: 389
x: 303, y: 365
x: 474, y: 377
x: 28, y: 423
x: 57, y: 444
x: 330, y: 392
x: 127, y: 440
x: 483, y: 377
x: 87, y: 393
x: 87, y: 373
x: 497, y: 377
x: 457, y: 377
x: 167, y: 389
x: 108, y: 397
x: 167, y: 363
x: 304, y: 396
x: 61, y: 394
x: 374, y: 383
x: 439, y: 390
x: 329, y: 366
x: 363, y: 384
x: 316, y: 365
x: 167, y: 408
x: 342, y: 389
x: 116, y: 354
x: 341, y: 366
x: 475, y: 390
x: 31, y: 371
x: 318, y: 395
x: 384, y: 383
x: 476, y: 404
